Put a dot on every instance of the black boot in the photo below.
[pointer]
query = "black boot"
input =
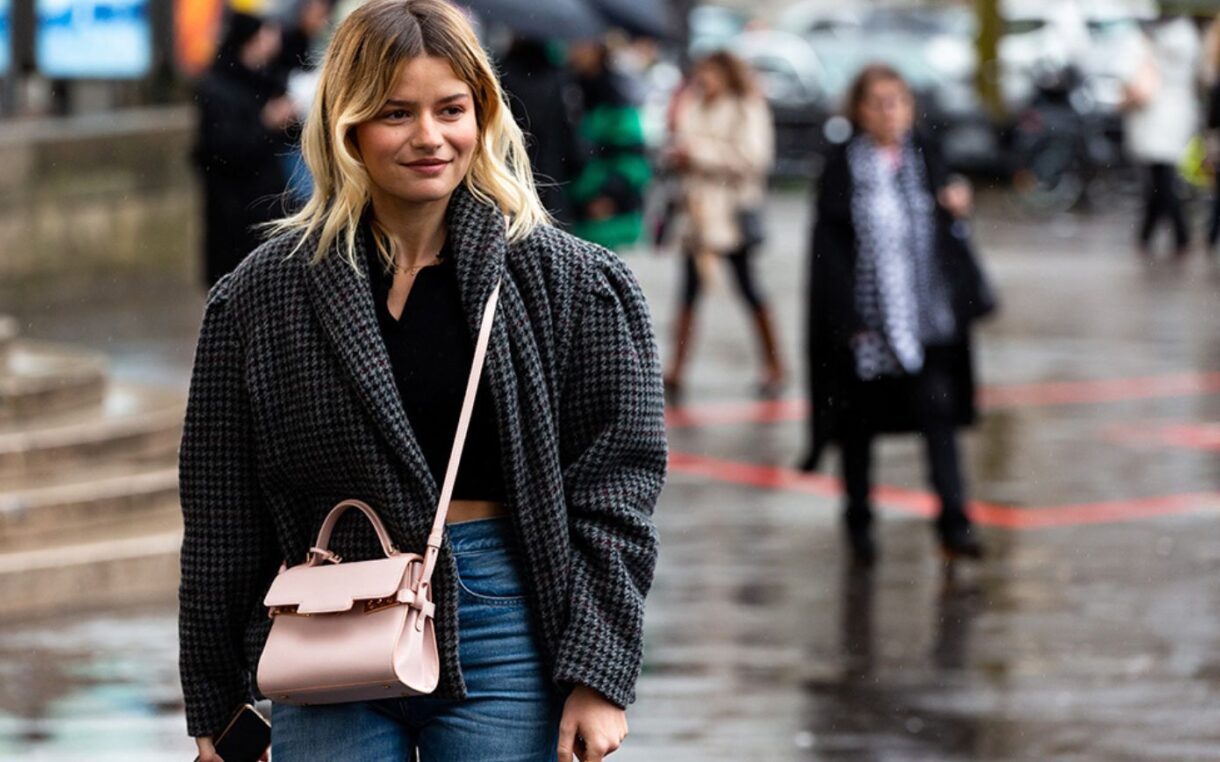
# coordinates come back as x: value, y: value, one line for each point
x: 958, y: 540
x: 857, y: 523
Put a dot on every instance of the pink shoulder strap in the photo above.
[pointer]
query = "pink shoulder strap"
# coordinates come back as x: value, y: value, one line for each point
x: 459, y: 438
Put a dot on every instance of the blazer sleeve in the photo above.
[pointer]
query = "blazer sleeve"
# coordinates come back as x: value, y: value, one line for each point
x: 228, y: 548
x: 614, y: 455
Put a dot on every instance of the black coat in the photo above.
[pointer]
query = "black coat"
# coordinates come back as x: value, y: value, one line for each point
x: 293, y: 407
x: 833, y: 318
x: 541, y: 95
x: 240, y: 162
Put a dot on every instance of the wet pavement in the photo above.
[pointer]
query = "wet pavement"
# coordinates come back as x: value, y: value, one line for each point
x: 1091, y: 633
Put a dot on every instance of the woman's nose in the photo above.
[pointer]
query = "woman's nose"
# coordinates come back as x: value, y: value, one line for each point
x: 427, y: 132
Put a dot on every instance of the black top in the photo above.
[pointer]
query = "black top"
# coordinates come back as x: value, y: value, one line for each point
x: 431, y: 351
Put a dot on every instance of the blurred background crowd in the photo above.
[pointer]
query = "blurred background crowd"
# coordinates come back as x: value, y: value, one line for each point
x: 1063, y: 99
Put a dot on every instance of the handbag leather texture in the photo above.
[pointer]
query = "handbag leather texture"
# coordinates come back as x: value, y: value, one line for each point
x: 364, y: 630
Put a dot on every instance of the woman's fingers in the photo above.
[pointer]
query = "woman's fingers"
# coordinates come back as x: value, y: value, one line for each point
x: 957, y: 197
x: 567, y: 740
x: 207, y: 752
x: 598, y: 748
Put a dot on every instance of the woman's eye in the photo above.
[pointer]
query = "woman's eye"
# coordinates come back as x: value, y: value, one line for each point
x: 454, y: 111
x: 395, y: 114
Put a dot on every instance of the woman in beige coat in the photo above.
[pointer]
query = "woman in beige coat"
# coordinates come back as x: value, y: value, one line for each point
x: 722, y: 148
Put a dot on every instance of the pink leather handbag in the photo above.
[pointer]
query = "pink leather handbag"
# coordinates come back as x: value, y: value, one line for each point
x: 356, y: 631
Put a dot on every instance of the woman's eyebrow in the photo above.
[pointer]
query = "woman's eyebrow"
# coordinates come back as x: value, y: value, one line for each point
x: 446, y: 99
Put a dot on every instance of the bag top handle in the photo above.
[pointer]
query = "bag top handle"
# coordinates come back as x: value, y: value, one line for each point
x: 332, y: 518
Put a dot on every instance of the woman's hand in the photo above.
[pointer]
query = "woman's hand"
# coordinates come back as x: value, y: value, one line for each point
x: 591, y: 727
x: 677, y: 157
x: 957, y: 198
x: 600, y: 208
x: 207, y: 751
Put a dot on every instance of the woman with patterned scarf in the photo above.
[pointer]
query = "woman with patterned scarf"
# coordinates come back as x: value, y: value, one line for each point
x: 894, y: 291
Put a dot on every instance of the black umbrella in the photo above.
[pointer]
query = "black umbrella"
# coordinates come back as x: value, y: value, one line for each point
x: 540, y: 19
x: 644, y: 18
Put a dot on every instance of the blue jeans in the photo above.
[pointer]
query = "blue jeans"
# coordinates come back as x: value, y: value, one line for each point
x: 512, y: 709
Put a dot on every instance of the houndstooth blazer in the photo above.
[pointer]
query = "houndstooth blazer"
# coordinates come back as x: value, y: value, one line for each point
x: 293, y: 407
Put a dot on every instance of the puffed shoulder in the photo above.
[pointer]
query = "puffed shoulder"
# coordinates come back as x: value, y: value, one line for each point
x: 592, y: 269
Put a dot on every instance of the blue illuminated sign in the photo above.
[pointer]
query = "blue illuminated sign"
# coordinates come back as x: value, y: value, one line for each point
x: 93, y: 39
x: 5, y: 45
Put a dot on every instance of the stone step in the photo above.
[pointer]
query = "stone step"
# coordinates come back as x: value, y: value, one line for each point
x: 44, y: 378
x: 132, y: 422
x: 86, y: 507
x: 109, y: 572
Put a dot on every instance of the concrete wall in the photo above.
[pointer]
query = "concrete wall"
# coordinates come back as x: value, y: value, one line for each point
x: 98, y: 193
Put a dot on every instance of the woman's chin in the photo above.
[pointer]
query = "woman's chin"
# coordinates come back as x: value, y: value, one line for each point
x: 424, y: 192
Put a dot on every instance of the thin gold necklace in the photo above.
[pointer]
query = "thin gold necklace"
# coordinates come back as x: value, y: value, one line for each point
x: 400, y: 270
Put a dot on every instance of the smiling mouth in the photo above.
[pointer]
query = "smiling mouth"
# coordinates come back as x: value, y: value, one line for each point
x: 426, y: 164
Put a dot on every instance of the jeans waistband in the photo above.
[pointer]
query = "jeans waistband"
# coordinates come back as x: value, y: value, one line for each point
x: 481, y: 534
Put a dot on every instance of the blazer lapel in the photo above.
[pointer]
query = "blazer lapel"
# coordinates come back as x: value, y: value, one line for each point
x: 478, y: 245
x: 344, y: 302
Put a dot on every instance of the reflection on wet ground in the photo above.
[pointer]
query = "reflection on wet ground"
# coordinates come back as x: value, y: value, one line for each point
x: 93, y: 687
x: 1083, y: 640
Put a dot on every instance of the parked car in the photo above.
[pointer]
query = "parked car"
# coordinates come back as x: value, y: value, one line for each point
x: 933, y: 48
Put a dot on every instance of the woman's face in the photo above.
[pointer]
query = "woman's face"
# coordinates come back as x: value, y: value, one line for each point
x: 419, y: 146
x: 263, y: 47
x: 711, y: 80
x: 887, y: 112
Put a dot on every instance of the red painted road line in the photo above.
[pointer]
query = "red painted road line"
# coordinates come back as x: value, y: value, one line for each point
x: 999, y: 396
x: 924, y: 504
x: 1204, y: 436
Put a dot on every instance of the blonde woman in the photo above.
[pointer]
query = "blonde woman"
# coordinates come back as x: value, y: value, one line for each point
x: 332, y: 363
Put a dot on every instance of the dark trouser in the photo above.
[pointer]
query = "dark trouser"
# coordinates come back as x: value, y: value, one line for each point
x: 1213, y: 232
x: 743, y: 274
x: 1161, y: 200
x: 934, y: 392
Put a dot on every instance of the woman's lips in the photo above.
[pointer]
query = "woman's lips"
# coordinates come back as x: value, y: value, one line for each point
x: 429, y: 168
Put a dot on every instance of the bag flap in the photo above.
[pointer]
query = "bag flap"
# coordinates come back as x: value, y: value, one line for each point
x: 330, y: 588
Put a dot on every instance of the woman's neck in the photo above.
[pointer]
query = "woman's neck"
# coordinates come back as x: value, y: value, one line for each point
x: 887, y: 141
x: 417, y: 230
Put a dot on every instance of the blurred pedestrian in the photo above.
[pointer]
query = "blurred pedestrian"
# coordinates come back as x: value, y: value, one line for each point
x: 722, y: 148
x: 1212, y: 80
x: 306, y: 23
x: 1209, y: 59
x: 894, y: 290
x: 243, y: 118
x: 544, y: 97
x: 608, y: 192
x: 334, y: 363
x: 1162, y: 116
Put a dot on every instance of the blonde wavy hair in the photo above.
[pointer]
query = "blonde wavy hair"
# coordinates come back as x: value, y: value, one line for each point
x: 359, y: 72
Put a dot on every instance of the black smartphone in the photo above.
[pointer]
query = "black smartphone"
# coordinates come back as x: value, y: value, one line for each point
x: 245, y: 738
